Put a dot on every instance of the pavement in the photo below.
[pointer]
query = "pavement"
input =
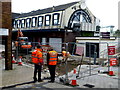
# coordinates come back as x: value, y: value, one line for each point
x: 21, y: 77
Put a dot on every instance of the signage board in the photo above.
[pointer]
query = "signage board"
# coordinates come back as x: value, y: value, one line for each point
x: 113, y: 61
x: 111, y: 50
x: 4, y: 32
x: 105, y: 35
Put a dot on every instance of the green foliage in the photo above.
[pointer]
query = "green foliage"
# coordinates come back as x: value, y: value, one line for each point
x: 117, y: 33
x: 87, y: 34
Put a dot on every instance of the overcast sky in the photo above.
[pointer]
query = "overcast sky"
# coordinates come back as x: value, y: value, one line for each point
x: 105, y: 10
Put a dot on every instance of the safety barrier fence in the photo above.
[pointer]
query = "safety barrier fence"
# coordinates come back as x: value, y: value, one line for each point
x: 82, y: 57
x: 90, y: 51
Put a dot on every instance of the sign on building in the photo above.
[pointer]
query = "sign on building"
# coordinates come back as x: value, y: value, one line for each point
x: 3, y: 32
x: 105, y: 35
x: 111, y: 50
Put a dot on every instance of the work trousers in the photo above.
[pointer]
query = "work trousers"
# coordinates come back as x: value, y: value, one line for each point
x: 52, y: 72
x: 37, y: 69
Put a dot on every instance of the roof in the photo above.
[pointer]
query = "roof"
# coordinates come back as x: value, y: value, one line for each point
x: 15, y: 15
x: 47, y: 10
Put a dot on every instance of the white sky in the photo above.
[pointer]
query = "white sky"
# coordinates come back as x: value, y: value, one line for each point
x: 105, y: 10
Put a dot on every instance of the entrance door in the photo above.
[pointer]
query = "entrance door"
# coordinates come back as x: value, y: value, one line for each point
x: 56, y: 43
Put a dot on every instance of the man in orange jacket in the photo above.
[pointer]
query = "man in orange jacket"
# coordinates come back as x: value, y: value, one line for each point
x: 52, y: 58
x: 65, y: 54
x: 37, y: 59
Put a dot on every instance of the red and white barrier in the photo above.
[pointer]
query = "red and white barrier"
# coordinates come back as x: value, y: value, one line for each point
x: 20, y: 60
x: 74, y: 81
x: 13, y: 59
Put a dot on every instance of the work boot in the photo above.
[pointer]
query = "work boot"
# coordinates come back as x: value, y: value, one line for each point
x: 35, y: 80
x: 40, y: 80
x: 51, y: 81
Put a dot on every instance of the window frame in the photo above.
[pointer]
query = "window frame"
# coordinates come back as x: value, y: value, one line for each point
x: 19, y: 24
x: 15, y: 24
x: 35, y: 22
x: 28, y: 23
x: 23, y: 24
x: 58, y: 17
x: 47, y: 20
x: 40, y: 21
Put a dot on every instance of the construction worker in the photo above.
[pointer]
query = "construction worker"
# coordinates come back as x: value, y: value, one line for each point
x: 65, y: 54
x: 37, y: 59
x: 52, y: 58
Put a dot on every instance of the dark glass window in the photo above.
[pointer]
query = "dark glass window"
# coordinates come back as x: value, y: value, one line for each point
x: 34, y: 19
x: 40, y: 21
x: 47, y: 20
x: 56, y: 19
x: 28, y: 22
x: 22, y: 23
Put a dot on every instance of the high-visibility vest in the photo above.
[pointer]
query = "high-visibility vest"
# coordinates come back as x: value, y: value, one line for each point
x: 16, y: 43
x: 37, y: 57
x: 53, y: 57
x: 64, y: 53
x: 39, y: 49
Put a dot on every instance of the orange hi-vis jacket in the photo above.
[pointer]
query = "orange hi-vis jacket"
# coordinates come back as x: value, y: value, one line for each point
x: 37, y: 56
x: 53, y: 57
x: 64, y: 53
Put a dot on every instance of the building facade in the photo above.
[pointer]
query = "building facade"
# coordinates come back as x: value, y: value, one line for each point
x: 57, y: 24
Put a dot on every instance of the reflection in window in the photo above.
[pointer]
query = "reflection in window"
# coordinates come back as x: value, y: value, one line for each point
x: 47, y: 20
x: 28, y: 22
x: 40, y: 21
x: 22, y: 23
x: 34, y: 21
x: 55, y: 19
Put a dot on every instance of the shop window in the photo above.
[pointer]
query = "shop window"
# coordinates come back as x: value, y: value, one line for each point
x: 56, y: 19
x: 34, y: 19
x: 22, y: 23
x: 40, y: 21
x: 28, y: 22
x: 47, y: 20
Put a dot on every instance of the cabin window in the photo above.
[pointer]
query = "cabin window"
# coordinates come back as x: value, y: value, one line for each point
x: 28, y: 22
x: 34, y: 19
x: 22, y: 23
x: 56, y: 19
x: 47, y: 20
x: 40, y: 21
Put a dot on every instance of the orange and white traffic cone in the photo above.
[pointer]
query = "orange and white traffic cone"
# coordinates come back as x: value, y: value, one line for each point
x: 13, y: 59
x: 20, y: 60
x: 74, y: 82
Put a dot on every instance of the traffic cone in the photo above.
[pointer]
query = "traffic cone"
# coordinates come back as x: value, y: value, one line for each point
x: 111, y: 73
x: 20, y: 60
x: 13, y: 59
x: 74, y: 82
